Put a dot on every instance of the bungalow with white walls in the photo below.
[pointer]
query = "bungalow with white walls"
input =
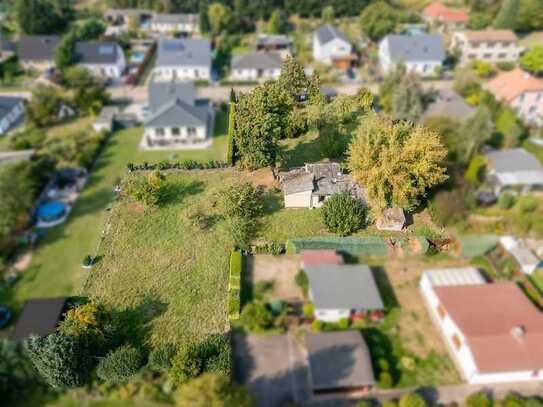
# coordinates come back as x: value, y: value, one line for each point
x: 102, y: 59
x: 256, y: 66
x: 493, y: 331
x: 183, y: 59
x: 343, y: 291
x: 422, y: 54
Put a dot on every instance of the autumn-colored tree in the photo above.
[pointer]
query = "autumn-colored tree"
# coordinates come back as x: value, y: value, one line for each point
x: 397, y: 162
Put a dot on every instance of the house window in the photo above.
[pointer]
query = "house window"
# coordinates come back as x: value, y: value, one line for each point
x: 191, y: 131
x: 441, y: 311
x: 176, y: 132
x: 159, y: 132
x: 502, y: 55
x: 487, y: 56
x: 457, y: 342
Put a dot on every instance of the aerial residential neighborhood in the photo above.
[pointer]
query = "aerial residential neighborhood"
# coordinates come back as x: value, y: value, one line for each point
x: 271, y: 204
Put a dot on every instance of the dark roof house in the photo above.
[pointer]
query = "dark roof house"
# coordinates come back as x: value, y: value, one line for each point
x: 40, y: 317
x: 257, y: 60
x: 339, y: 361
x: 38, y: 48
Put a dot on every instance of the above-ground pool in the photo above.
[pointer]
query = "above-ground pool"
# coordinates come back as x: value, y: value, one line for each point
x: 137, y: 57
x: 51, y: 211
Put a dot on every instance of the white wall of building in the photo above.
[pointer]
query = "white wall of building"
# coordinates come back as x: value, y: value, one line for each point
x: 166, y: 28
x: 168, y: 73
x: 298, y: 200
x: 491, y: 51
x: 331, y: 315
x: 324, y: 53
x: 113, y: 71
x: 255, y: 74
x: 183, y: 133
x: 421, y: 68
x: 528, y: 105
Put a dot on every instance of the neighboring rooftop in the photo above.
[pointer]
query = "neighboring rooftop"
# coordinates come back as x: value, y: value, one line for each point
x: 513, y: 160
x: 490, y: 35
x: 38, y: 47
x: 312, y: 258
x: 448, y: 103
x: 415, y: 48
x: 510, y: 85
x: 339, y: 360
x: 503, y: 328
x: 454, y: 276
x: 178, y: 113
x: 39, y: 317
x: 97, y: 52
x: 161, y: 93
x: 258, y: 60
x: 273, y: 40
x: 184, y: 51
x: 7, y: 103
x: 344, y: 287
x: 328, y: 33
x: 440, y: 11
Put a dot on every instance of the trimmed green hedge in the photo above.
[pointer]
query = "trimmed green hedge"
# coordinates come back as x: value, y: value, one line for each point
x: 476, y: 245
x: 355, y: 246
x: 234, y: 285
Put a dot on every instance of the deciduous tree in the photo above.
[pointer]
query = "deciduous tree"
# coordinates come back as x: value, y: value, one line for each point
x: 378, y: 19
x: 533, y: 60
x: 397, y: 162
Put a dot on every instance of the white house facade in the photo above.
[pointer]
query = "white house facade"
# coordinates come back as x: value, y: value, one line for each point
x: 486, y: 45
x: 175, y: 23
x: 330, y: 45
x: 183, y: 59
x: 11, y: 111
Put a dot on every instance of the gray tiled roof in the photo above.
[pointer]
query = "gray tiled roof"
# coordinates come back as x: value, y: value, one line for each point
x: 178, y: 113
x: 175, y: 18
x: 161, y: 93
x: 279, y: 40
x: 344, y: 287
x: 257, y: 60
x: 38, y: 47
x: 184, y: 52
x: 513, y: 160
x: 415, y: 48
x: 339, y: 360
x: 328, y: 33
x: 448, y: 104
x: 97, y: 52
x: 7, y: 103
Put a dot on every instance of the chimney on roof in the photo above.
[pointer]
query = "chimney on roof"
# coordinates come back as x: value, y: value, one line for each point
x: 518, y: 332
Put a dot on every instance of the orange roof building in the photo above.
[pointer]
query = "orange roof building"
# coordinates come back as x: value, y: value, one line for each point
x: 522, y: 92
x: 494, y: 332
x: 439, y: 13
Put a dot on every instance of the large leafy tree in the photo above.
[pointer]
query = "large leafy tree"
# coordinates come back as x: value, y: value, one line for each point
x: 39, y: 17
x: 475, y: 131
x: 507, y: 16
x: 59, y: 359
x: 278, y: 22
x: 530, y: 16
x: 15, y: 370
x: 293, y: 79
x: 407, y: 99
x: 396, y: 161
x: 533, y: 60
x: 378, y: 20
x: 262, y: 118
x: 219, y: 16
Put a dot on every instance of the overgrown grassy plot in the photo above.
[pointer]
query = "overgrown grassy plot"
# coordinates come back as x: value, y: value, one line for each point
x: 163, y: 258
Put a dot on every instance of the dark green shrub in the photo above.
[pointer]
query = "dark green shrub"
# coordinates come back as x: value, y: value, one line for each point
x: 27, y: 139
x: 364, y: 403
x: 120, y: 364
x: 526, y: 204
x: 343, y: 323
x: 160, y: 358
x: 60, y: 360
x: 241, y: 200
x: 343, y: 214
x: 309, y: 310
x: 302, y: 281
x: 412, y: 400
x: 385, y: 380
x: 506, y: 200
x: 256, y: 317
x: 186, y: 364
x: 479, y: 399
x: 146, y: 190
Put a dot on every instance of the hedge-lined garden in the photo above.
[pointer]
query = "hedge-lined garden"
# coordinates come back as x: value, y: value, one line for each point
x: 234, y: 285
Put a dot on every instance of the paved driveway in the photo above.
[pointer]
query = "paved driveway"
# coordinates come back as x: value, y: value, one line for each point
x: 274, y: 367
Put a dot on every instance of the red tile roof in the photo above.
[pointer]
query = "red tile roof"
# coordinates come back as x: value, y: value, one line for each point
x: 510, y: 85
x: 312, y: 258
x: 503, y: 328
x: 441, y: 12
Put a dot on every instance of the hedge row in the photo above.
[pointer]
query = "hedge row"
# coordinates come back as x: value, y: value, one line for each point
x: 355, y: 246
x: 177, y: 165
x: 234, y: 285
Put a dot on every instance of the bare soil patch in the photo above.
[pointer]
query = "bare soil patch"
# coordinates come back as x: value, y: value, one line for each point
x: 281, y: 270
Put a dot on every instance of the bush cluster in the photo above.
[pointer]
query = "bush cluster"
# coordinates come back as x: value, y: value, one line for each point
x: 147, y: 190
x: 256, y: 317
x: 120, y: 364
x: 343, y: 214
x: 177, y: 165
x: 341, y: 325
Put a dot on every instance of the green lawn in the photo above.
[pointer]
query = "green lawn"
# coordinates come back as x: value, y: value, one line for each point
x: 164, y: 266
x: 55, y: 269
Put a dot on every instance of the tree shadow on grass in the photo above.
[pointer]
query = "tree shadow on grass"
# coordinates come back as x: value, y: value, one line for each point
x: 174, y: 193
x: 385, y: 287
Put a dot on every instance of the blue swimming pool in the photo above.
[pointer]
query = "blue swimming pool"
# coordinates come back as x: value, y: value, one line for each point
x: 51, y: 211
x: 137, y: 57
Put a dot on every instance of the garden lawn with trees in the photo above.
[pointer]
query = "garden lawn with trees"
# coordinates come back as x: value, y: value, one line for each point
x: 56, y: 269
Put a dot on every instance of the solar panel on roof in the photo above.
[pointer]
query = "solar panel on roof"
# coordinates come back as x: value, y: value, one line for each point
x: 173, y: 46
x: 105, y: 49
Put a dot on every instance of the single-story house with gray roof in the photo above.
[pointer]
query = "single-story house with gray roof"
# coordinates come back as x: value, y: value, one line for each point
x: 175, y: 23
x: 513, y: 169
x: 175, y: 118
x: 332, y: 47
x: 422, y: 54
x: 343, y: 291
x: 256, y: 66
x: 102, y: 59
x: 338, y: 362
x: 11, y: 112
x: 183, y: 59
x: 309, y: 186
x: 448, y: 103
x: 37, y: 51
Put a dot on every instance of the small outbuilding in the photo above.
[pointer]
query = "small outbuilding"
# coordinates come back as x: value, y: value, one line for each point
x: 339, y: 362
x: 40, y: 317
